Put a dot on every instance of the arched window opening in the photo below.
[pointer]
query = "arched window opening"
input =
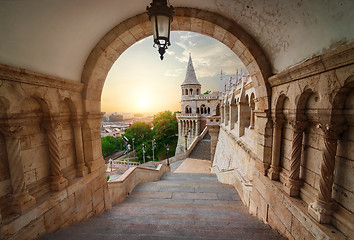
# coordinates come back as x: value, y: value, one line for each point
x: 191, y: 91
x: 186, y: 92
x: 208, y: 110
x: 197, y: 109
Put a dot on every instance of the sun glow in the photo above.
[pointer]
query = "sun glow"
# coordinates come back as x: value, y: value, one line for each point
x: 143, y: 102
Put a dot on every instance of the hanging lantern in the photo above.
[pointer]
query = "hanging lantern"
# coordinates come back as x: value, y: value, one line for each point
x: 161, y: 17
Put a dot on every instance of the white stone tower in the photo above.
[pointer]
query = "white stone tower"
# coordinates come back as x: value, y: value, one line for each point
x: 195, y: 107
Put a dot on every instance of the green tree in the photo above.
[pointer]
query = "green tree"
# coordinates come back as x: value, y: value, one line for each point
x: 165, y: 131
x: 109, y: 145
x: 142, y: 133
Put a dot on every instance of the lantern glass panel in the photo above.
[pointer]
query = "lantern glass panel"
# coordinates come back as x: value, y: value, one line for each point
x: 163, y: 26
x: 154, y: 23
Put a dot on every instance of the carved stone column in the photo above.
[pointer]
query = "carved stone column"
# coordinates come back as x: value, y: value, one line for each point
x: 21, y: 200
x: 58, y: 182
x: 81, y: 168
x: 292, y: 185
x: 322, y: 208
x: 273, y: 172
x: 214, y: 134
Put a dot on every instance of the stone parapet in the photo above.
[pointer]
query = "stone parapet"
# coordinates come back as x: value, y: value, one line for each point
x: 120, y: 189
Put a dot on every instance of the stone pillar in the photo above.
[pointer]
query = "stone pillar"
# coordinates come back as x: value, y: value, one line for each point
x: 180, y: 127
x: 58, y: 182
x: 273, y: 172
x: 322, y: 208
x: 292, y: 185
x: 81, y: 168
x: 21, y: 200
x: 193, y: 129
x: 198, y: 127
x: 252, y: 116
x: 233, y: 115
x: 222, y: 109
x: 242, y: 115
x: 92, y: 141
x: 227, y: 115
x: 214, y: 134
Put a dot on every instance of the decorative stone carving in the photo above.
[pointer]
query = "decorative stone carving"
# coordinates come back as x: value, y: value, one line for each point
x: 273, y: 172
x: 21, y: 200
x: 58, y: 182
x: 322, y: 208
x: 293, y: 183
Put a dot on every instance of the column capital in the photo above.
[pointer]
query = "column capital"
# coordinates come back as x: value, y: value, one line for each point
x: 76, y: 121
x: 51, y: 123
x: 331, y: 131
x: 298, y: 125
x: 11, y: 131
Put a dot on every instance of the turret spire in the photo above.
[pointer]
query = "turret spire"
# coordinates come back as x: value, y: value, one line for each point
x: 191, y: 78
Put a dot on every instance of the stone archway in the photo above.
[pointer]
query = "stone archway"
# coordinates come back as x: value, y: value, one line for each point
x: 125, y: 34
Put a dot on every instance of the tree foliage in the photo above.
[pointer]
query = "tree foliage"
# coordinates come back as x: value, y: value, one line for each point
x: 109, y: 145
x: 165, y: 129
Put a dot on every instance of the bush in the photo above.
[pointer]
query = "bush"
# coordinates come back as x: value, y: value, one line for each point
x: 109, y: 145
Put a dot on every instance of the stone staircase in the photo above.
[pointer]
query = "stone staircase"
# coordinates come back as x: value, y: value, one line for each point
x: 179, y: 206
x: 202, y: 149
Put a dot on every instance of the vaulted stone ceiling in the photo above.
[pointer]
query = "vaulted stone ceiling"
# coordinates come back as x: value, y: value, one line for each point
x: 55, y: 37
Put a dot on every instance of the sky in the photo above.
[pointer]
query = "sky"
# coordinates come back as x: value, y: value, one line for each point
x: 139, y: 82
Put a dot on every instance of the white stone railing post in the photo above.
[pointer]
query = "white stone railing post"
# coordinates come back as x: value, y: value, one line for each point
x: 21, y: 200
x: 322, y: 208
x: 292, y: 185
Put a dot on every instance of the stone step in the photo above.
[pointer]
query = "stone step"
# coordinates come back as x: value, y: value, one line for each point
x: 202, y: 149
x: 180, y: 206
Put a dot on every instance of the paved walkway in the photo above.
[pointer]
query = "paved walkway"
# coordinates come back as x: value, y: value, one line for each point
x: 179, y: 206
x: 191, y: 165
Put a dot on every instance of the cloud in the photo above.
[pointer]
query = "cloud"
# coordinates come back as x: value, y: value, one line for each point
x: 174, y: 73
x: 169, y: 52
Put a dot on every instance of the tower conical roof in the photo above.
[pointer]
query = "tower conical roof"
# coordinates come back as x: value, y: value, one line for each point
x: 191, y: 78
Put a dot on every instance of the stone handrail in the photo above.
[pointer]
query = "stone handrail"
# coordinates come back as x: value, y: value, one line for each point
x: 195, y: 141
x: 121, y: 188
x: 116, y: 163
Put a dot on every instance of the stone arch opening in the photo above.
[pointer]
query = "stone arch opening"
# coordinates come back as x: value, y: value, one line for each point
x: 125, y: 34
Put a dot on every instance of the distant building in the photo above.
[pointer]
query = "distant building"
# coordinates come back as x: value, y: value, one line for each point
x: 115, y: 118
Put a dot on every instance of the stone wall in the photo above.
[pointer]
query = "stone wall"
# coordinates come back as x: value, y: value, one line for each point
x: 46, y: 180
x: 306, y: 192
